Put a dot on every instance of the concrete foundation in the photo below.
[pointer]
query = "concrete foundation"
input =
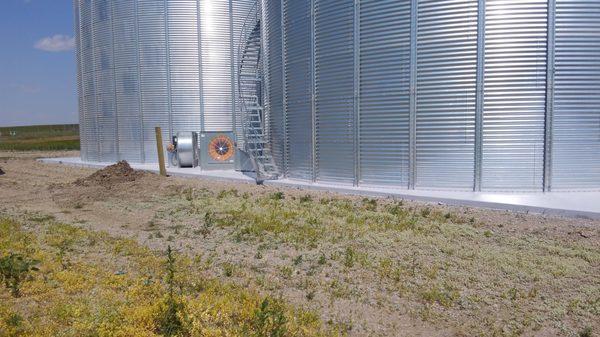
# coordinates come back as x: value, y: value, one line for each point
x: 569, y: 204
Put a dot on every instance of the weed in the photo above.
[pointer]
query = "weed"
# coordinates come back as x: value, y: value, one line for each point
x: 587, y: 332
x: 14, y: 320
x: 444, y: 295
x: 306, y: 199
x: 277, y: 196
x: 349, y: 257
x: 42, y: 218
x: 170, y: 323
x: 286, y: 272
x: 14, y: 269
x: 269, y: 319
x: 298, y: 260
x: 488, y: 234
x: 258, y: 255
x: 322, y: 259
x: 425, y: 212
x: 369, y: 204
x: 228, y: 269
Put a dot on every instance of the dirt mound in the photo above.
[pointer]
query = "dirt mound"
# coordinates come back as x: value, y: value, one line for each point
x: 112, y: 175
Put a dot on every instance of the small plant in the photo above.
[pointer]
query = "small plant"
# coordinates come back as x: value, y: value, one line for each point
x: 169, y: 323
x: 587, y: 332
x: 298, y: 260
x: 14, y: 269
x: 286, y: 272
x: 425, y: 212
x: 269, y: 319
x: 277, y: 196
x: 488, y: 234
x: 305, y: 199
x: 209, y: 219
x: 228, y: 269
x: 322, y: 259
x: 370, y: 204
x: 349, y: 257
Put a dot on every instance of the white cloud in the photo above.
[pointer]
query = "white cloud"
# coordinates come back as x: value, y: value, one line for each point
x: 56, y: 43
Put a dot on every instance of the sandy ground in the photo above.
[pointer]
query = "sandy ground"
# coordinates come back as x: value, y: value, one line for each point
x: 154, y: 211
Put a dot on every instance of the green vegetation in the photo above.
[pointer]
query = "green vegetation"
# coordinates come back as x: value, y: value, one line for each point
x: 117, y: 288
x: 447, y: 265
x: 40, y: 137
x: 14, y: 268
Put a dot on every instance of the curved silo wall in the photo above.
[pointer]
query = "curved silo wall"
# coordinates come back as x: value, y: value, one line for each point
x: 148, y: 63
x: 488, y: 95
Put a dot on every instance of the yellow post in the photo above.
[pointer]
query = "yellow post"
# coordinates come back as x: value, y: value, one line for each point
x: 161, y: 153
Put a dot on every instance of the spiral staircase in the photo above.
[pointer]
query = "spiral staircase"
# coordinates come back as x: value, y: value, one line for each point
x: 255, y: 143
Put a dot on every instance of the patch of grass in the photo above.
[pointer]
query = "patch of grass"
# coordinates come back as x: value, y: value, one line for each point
x: 40, y: 138
x: 118, y: 288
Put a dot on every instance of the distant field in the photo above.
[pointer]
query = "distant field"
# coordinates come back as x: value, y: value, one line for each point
x: 40, y: 137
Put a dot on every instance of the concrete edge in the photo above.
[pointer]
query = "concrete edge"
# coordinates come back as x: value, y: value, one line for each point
x: 526, y: 209
x: 545, y: 211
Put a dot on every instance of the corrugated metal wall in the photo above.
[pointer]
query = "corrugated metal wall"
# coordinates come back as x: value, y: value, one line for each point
x: 273, y: 77
x: 127, y: 81
x: 515, y: 94
x: 576, y: 119
x: 148, y: 63
x: 446, y: 87
x: 217, y: 71
x: 486, y: 95
x: 298, y: 88
x: 334, y: 90
x: 466, y: 82
x: 384, y: 92
x: 155, y: 102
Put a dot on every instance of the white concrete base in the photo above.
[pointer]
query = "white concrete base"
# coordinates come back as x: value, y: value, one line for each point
x: 570, y: 204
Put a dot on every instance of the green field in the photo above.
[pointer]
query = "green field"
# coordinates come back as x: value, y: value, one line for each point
x: 40, y: 137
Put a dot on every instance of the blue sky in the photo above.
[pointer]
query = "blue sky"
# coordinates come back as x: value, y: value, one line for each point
x: 37, y: 63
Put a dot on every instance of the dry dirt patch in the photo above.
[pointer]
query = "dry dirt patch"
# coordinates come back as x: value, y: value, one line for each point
x: 111, y: 175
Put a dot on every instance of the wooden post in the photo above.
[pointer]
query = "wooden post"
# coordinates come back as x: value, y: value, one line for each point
x: 161, y: 153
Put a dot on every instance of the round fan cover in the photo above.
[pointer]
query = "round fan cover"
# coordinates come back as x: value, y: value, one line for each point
x: 221, y: 148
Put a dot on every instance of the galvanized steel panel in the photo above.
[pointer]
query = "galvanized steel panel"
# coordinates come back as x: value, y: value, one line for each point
x: 384, y: 91
x: 334, y: 90
x: 104, y: 80
x: 273, y: 77
x: 576, y: 120
x: 446, y: 87
x: 514, y: 95
x: 184, y: 65
x: 216, y: 65
x: 127, y: 81
x: 298, y: 88
x: 152, y: 40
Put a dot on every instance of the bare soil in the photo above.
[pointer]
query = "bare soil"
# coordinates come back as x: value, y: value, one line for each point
x: 461, y: 271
